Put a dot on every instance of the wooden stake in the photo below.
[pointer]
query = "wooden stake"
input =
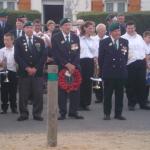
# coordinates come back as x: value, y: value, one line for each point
x: 52, y: 98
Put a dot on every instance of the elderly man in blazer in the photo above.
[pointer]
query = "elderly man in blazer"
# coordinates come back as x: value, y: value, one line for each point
x: 113, y: 56
x: 66, y: 51
x: 30, y: 54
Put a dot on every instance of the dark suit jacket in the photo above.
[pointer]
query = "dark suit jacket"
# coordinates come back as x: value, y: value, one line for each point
x: 112, y: 61
x: 30, y: 58
x: 14, y: 32
x: 64, y: 52
x: 4, y: 30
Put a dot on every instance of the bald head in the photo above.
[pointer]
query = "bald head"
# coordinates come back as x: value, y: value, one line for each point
x: 101, y: 30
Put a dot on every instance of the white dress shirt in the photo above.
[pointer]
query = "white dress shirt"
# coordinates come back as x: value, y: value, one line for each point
x: 8, y: 53
x: 137, y: 50
x: 97, y: 40
x: 88, y: 47
x: 147, y: 48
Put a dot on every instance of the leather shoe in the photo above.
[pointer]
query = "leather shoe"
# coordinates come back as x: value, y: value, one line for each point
x: 38, y: 118
x: 120, y: 118
x: 3, y: 112
x: 98, y: 101
x: 61, y: 118
x: 22, y: 118
x: 86, y: 108
x: 107, y: 117
x: 76, y: 116
x: 145, y: 107
x: 14, y: 111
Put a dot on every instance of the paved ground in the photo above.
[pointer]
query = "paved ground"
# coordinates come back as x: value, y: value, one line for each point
x: 137, y: 127
x: 138, y: 120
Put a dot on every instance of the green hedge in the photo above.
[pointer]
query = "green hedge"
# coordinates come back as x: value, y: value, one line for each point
x: 142, y: 19
x: 12, y: 15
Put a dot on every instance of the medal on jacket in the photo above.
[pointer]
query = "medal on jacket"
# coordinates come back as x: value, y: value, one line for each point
x: 26, y: 47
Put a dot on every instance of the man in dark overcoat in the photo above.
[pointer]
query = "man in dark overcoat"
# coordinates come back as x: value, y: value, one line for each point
x: 113, y: 56
x: 66, y: 51
x: 30, y: 55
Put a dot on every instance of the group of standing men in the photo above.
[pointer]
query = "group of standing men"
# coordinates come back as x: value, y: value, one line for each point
x: 121, y: 60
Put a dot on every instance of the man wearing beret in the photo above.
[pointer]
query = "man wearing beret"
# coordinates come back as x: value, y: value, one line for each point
x: 30, y: 54
x: 113, y: 56
x: 66, y: 51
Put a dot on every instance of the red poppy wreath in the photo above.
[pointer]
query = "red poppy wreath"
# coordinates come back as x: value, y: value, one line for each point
x: 69, y: 82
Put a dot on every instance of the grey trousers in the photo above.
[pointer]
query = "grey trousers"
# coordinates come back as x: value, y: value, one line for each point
x: 32, y: 85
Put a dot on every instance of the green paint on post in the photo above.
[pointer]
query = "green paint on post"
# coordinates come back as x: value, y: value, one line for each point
x: 52, y: 76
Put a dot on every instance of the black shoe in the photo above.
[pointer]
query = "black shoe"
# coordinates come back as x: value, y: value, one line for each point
x: 75, y: 116
x: 107, y: 117
x: 22, y: 118
x: 98, y: 101
x: 131, y: 108
x: 85, y: 108
x: 145, y: 107
x: 3, y: 112
x: 14, y: 111
x: 120, y: 118
x: 38, y: 118
x: 61, y: 118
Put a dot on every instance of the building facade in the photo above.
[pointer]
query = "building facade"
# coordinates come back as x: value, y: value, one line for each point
x: 120, y: 5
x: 56, y: 9
x: 9, y: 4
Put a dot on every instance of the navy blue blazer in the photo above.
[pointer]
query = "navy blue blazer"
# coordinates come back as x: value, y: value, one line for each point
x: 36, y: 57
x: 4, y: 30
x: 14, y: 32
x: 113, y: 61
x: 64, y: 52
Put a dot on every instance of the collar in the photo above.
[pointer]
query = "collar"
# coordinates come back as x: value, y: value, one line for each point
x: 85, y: 37
x: 10, y: 48
x: 27, y: 37
x: 64, y: 35
x: 113, y: 40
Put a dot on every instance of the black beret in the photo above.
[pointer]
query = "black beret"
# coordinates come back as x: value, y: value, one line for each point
x: 28, y: 23
x: 65, y: 20
x: 114, y: 26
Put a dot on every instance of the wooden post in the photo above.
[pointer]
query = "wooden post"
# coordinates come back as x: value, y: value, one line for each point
x: 52, y: 98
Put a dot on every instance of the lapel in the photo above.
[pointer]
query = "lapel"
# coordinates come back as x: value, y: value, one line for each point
x: 25, y: 44
x: 63, y: 41
x: 110, y: 44
x: 71, y: 39
x: 118, y: 44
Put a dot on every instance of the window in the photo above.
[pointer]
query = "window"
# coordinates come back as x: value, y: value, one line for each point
x: 121, y: 7
x: 11, y: 5
x: 109, y: 7
x: 1, y: 5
